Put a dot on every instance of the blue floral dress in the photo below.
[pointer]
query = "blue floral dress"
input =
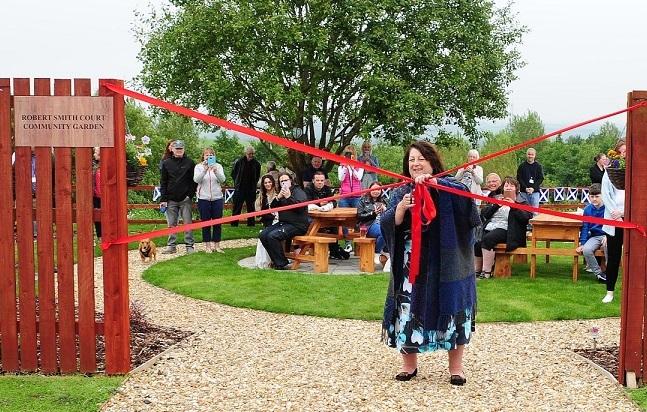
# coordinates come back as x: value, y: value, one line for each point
x: 410, y: 337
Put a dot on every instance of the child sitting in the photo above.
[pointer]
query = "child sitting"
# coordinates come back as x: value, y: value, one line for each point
x: 591, y: 236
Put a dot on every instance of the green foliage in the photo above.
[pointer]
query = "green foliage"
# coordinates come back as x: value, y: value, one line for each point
x: 551, y: 296
x: 56, y: 393
x: 160, y: 127
x: 390, y: 158
x: 228, y: 148
x: 334, y: 70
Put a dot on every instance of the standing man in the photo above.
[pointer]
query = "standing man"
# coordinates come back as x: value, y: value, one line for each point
x: 316, y: 165
x: 177, y: 188
x: 246, y: 172
x: 530, y: 175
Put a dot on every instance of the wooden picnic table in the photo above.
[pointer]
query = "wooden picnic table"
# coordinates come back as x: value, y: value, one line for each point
x: 554, y: 228
x: 314, y: 244
x: 338, y: 217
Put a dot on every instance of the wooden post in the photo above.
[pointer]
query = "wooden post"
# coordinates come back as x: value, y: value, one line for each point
x: 115, y: 258
x: 45, y: 248
x: 633, y: 353
x: 64, y: 246
x: 9, y: 348
x: 25, y: 244
x: 85, y: 266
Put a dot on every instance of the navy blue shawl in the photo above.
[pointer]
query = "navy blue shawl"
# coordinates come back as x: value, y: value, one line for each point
x: 446, y: 285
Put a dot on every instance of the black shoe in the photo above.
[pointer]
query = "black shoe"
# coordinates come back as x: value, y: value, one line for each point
x: 457, y: 380
x: 406, y: 376
x: 602, y: 277
x: 335, y: 256
x: 344, y: 255
x: 285, y: 267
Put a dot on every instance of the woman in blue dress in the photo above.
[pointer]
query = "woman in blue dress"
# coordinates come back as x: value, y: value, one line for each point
x: 438, y: 310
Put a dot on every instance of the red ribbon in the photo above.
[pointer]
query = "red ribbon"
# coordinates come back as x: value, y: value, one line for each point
x: 540, y: 138
x: 423, y: 205
x: 588, y: 219
x: 422, y: 213
x: 191, y: 226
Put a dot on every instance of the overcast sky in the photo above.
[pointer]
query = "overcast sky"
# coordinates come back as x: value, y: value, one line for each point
x: 582, y: 56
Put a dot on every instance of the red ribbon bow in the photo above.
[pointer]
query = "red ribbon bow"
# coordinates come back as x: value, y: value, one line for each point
x: 422, y: 213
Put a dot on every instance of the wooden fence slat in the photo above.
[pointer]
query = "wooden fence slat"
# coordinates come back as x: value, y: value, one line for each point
x: 8, y: 330
x: 25, y: 233
x: 115, y: 258
x: 45, y: 248
x: 85, y: 249
x: 64, y: 246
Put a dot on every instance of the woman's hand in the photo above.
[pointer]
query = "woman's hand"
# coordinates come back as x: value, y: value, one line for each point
x: 406, y: 202
x: 425, y: 177
x: 401, y: 208
x: 616, y: 215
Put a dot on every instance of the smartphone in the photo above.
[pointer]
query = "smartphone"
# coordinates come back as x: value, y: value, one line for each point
x: 285, y: 185
x: 211, y: 160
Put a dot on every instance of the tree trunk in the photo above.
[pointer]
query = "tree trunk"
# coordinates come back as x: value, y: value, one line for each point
x: 297, y: 162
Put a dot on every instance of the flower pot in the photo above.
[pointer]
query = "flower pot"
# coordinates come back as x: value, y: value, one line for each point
x: 617, y: 177
x: 134, y: 174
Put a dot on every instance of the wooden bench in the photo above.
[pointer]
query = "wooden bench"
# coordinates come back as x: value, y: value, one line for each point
x: 366, y: 248
x: 318, y: 246
x: 503, y: 268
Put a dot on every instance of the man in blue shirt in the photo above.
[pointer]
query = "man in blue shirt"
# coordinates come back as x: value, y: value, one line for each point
x: 591, y: 235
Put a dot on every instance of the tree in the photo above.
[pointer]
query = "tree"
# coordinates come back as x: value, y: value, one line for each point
x: 523, y: 128
x: 161, y: 127
x: 323, y: 72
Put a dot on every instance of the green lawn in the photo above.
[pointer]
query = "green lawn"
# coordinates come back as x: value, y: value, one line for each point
x: 218, y: 278
x: 55, y: 393
x: 639, y: 396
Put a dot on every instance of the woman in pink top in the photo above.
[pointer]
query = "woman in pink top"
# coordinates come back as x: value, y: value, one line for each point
x: 350, y: 180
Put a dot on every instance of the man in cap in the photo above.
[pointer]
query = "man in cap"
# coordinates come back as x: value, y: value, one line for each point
x: 177, y: 188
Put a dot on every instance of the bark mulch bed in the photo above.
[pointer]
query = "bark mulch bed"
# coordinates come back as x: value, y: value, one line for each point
x: 146, y: 339
x: 605, y: 357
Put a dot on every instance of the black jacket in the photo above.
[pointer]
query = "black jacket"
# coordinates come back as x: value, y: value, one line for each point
x: 176, y: 182
x: 246, y: 174
x: 596, y: 174
x: 530, y: 171
x: 366, y: 209
x: 517, y: 224
x: 313, y: 193
x: 298, y: 216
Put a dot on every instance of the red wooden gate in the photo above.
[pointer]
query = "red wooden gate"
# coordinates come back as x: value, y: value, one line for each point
x: 47, y: 311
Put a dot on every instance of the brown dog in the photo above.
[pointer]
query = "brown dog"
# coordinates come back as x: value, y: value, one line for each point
x: 147, y: 250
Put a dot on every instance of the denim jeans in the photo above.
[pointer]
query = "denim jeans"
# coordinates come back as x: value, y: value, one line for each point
x: 375, y: 231
x: 173, y: 212
x: 589, y: 248
x: 211, y: 209
x: 347, y: 202
x: 532, y: 199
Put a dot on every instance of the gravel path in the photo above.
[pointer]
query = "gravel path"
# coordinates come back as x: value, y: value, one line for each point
x: 241, y: 359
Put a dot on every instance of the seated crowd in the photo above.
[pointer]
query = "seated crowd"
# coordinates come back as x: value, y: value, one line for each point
x: 182, y: 179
